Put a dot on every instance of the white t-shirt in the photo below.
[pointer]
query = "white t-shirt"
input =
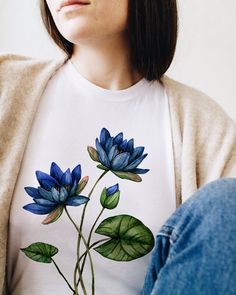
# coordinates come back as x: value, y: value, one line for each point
x: 70, y: 116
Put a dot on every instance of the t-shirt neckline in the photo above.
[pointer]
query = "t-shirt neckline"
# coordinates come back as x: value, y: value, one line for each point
x: 94, y: 91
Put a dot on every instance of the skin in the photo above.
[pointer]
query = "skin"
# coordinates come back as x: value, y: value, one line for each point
x: 101, y: 46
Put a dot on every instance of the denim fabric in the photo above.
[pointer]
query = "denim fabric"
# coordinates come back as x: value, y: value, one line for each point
x: 195, y: 250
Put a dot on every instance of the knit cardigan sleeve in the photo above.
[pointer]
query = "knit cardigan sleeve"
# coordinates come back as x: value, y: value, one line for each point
x: 204, y: 139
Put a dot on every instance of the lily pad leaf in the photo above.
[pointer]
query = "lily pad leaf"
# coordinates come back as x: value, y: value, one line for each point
x: 128, y: 175
x: 40, y: 252
x: 130, y: 238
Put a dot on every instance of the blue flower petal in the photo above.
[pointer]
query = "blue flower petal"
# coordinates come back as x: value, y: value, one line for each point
x: 66, y: 178
x: 45, y: 202
x: 76, y: 201
x: 102, y: 155
x: 45, y: 194
x: 123, y: 146
x: 45, y: 180
x: 55, y: 171
x: 135, y: 163
x: 32, y: 191
x: 112, y: 189
x: 130, y: 146
x: 113, y: 152
x: 74, y: 188
x: 120, y: 161
x: 138, y: 151
x: 55, y: 195
x: 118, y: 138
x: 108, y: 144
x: 76, y: 173
x: 38, y: 209
x: 140, y: 171
x: 104, y: 136
x: 63, y: 194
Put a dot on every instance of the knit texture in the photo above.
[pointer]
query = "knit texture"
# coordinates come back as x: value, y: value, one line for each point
x: 203, y: 136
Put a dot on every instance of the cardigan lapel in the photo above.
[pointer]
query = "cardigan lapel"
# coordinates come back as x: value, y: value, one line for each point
x: 19, y: 101
x: 176, y: 134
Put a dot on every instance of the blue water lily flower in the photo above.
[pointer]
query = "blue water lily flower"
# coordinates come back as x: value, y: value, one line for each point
x: 56, y: 191
x: 118, y: 155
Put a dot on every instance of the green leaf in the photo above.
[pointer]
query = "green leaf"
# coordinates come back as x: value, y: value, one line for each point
x: 40, y: 252
x: 93, y: 153
x: 53, y: 216
x: 109, y: 202
x: 130, y: 238
x: 100, y: 166
x: 127, y: 175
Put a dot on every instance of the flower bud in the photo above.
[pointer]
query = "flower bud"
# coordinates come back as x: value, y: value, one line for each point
x: 93, y: 153
x: 110, y: 197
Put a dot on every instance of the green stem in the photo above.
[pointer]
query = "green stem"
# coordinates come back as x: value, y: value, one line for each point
x: 91, y: 231
x: 89, y: 238
x: 90, y: 258
x: 58, y: 269
x: 85, y: 253
x: 101, y: 176
x: 81, y: 227
x: 91, y: 246
x: 75, y: 281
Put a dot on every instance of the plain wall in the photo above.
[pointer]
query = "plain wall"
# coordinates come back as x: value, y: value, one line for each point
x: 206, y: 50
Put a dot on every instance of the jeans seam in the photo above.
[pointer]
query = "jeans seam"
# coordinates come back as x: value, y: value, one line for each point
x: 169, y: 232
x: 173, y: 234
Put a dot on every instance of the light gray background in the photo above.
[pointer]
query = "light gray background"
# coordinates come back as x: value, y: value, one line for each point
x: 205, y: 56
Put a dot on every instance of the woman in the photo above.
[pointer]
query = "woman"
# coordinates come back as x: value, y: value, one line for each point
x: 113, y: 79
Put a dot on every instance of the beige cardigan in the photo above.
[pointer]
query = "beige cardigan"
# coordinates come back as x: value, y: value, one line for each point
x: 204, y: 137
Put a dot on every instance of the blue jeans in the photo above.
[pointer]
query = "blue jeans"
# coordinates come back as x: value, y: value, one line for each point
x: 195, y: 251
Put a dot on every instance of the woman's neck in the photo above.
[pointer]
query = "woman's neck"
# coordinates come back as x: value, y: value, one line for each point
x: 106, y: 63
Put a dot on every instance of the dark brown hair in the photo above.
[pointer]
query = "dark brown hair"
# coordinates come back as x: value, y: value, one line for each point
x: 152, y: 29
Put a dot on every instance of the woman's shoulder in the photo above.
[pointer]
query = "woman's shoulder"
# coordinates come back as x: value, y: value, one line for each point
x: 4, y: 56
x: 21, y: 58
x: 13, y: 64
x: 11, y: 60
x: 189, y: 101
x: 25, y: 72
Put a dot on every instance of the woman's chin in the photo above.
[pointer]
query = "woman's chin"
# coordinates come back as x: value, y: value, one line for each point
x: 76, y: 32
